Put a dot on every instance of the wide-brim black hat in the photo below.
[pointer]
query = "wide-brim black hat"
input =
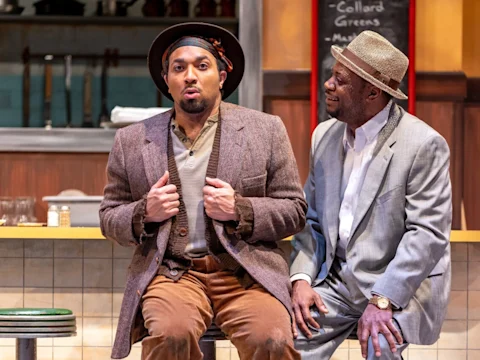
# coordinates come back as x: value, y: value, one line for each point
x: 233, y: 51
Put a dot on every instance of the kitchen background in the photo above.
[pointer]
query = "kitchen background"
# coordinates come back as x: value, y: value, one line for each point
x: 128, y: 82
x: 88, y: 275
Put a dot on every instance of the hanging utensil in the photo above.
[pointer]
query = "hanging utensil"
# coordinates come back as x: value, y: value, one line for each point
x: 26, y: 88
x: 87, y: 98
x: 68, y: 86
x: 47, y: 100
x: 104, y: 116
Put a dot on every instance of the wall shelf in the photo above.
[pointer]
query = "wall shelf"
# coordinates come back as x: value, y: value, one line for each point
x: 112, y: 20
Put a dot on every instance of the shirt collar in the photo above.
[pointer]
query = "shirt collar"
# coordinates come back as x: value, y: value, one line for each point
x: 177, y: 130
x: 368, y: 131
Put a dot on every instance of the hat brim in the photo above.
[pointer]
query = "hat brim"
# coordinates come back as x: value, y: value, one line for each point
x: 233, y: 51
x: 337, y: 54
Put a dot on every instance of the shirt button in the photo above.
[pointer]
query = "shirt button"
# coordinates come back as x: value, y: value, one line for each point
x: 174, y: 272
x: 183, y: 232
x: 190, y: 153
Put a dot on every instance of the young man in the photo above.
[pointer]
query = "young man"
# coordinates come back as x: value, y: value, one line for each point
x: 374, y: 258
x: 204, y: 192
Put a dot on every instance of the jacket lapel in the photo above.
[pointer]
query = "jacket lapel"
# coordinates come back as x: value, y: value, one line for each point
x: 154, y: 152
x: 378, y: 167
x: 333, y: 160
x: 231, y: 145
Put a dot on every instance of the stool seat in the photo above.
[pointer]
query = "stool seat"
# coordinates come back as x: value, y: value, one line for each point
x: 34, y: 312
x: 28, y: 324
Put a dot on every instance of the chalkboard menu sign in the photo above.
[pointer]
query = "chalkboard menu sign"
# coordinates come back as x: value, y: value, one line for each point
x: 339, y: 22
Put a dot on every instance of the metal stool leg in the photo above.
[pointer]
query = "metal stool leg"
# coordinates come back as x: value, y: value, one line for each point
x: 26, y: 349
x: 208, y: 350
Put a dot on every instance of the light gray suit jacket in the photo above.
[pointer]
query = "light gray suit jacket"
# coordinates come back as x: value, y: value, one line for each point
x: 399, y: 243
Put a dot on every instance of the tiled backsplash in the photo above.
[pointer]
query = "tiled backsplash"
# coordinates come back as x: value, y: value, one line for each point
x: 127, y: 91
x: 121, y: 91
x: 88, y: 277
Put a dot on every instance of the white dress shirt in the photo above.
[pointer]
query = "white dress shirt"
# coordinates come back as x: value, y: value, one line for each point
x: 358, y: 156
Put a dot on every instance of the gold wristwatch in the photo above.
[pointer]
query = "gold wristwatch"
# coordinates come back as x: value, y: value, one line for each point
x: 380, y: 302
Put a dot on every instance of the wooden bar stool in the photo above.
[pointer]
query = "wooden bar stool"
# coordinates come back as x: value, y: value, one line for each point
x: 27, y: 325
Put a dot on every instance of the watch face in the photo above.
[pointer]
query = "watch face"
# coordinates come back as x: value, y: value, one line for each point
x: 382, y: 303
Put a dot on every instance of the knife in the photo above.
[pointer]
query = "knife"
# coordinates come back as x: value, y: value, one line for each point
x: 68, y: 87
x: 47, y: 101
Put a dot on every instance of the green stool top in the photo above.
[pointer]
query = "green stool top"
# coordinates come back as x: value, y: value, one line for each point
x: 34, y: 312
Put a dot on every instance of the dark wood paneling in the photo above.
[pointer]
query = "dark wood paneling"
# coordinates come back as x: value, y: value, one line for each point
x: 295, y: 115
x: 441, y: 86
x: 286, y: 84
x: 447, y: 119
x: 473, y: 90
x: 44, y: 174
x: 471, y: 180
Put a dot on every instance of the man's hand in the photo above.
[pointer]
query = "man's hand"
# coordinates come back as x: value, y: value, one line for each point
x: 162, y: 201
x: 219, y: 200
x: 303, y: 298
x: 373, y: 322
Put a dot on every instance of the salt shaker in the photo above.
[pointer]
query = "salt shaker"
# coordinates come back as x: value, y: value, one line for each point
x: 53, y: 217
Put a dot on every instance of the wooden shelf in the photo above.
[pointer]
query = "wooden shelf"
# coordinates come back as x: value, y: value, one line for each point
x: 113, y: 20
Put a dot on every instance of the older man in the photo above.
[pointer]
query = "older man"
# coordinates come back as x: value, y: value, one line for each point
x: 374, y: 257
x: 204, y: 192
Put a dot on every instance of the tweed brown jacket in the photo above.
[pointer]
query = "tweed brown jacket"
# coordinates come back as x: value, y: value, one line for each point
x: 255, y: 158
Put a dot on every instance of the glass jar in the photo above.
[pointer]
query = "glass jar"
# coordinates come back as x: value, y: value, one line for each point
x: 65, y: 216
x: 7, y: 211
x: 25, y: 209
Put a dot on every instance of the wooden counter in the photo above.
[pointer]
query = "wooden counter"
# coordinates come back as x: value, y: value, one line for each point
x: 54, y: 233
x: 94, y: 233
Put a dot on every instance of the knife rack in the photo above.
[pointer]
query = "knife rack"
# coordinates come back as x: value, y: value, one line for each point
x: 110, y: 58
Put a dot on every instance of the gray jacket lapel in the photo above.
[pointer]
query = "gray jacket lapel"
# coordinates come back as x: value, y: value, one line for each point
x: 332, y: 156
x: 231, y: 145
x: 154, y: 153
x: 382, y: 155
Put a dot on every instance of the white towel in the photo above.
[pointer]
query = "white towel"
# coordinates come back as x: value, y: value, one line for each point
x: 132, y: 114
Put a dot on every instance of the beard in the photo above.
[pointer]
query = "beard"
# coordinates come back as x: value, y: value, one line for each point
x: 193, y: 106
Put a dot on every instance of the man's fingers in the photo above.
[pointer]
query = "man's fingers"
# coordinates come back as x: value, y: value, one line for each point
x: 294, y: 326
x: 217, y: 183
x: 174, y: 204
x: 307, y: 315
x: 162, y: 181
x: 169, y: 189
x: 208, y: 190
x: 320, y: 305
x: 375, y: 342
x: 363, y: 338
x: 389, y: 337
x: 393, y: 329
x: 301, y: 324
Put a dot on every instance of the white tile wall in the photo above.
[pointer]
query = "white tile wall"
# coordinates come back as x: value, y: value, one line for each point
x: 88, y: 277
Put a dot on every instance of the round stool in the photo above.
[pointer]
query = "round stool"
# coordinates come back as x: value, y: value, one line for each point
x: 26, y: 325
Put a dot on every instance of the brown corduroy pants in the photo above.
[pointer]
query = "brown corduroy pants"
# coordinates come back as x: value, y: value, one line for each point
x: 178, y: 313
